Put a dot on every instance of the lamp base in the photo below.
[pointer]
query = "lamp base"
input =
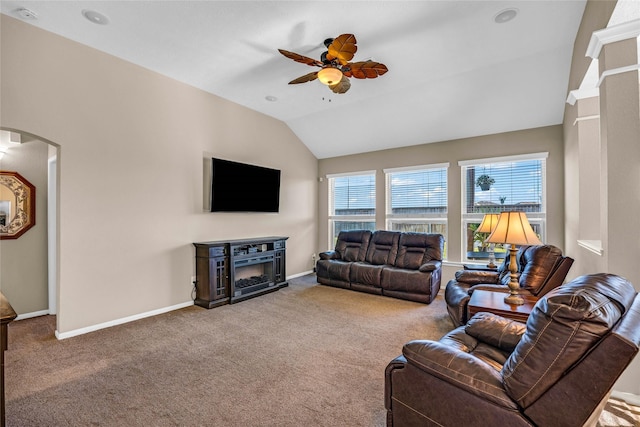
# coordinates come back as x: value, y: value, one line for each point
x: 514, y: 299
x: 514, y: 286
x: 492, y: 256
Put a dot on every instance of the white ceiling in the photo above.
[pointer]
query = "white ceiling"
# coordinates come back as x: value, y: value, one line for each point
x: 453, y: 71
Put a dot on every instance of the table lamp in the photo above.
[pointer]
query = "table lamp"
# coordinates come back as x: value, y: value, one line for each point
x: 487, y: 225
x: 513, y: 228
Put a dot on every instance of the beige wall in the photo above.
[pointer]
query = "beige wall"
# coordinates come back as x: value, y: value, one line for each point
x: 23, y: 261
x: 132, y: 149
x: 601, y: 162
x: 545, y: 139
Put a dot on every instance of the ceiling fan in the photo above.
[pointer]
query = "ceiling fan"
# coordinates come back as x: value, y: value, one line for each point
x: 335, y: 65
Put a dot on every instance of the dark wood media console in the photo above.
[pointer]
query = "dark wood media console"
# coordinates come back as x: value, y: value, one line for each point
x: 234, y: 270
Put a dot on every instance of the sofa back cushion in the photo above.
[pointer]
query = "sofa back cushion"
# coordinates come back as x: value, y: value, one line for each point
x: 537, y: 265
x: 383, y: 247
x: 415, y: 249
x: 352, y: 245
x: 563, y: 327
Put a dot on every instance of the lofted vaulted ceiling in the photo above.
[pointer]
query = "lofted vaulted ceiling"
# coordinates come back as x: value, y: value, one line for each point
x: 454, y: 72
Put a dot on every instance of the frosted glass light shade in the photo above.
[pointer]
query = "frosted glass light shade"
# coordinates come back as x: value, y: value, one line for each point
x: 329, y: 75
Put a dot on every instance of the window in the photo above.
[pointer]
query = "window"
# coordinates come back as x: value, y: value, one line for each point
x: 352, y: 203
x: 515, y: 183
x: 417, y: 199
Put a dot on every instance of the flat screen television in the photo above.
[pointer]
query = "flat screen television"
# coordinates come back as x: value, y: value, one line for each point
x: 240, y: 187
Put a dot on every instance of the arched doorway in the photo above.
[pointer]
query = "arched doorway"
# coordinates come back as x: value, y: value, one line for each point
x: 30, y: 263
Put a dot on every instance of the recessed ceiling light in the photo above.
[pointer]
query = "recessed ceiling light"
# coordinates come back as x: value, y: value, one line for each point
x: 505, y: 15
x: 25, y: 13
x: 95, y: 17
x: 271, y: 98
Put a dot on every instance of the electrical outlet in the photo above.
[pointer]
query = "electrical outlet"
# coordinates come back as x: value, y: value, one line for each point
x: 193, y: 281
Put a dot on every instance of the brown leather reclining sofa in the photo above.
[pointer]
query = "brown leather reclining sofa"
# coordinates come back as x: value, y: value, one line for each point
x: 391, y: 263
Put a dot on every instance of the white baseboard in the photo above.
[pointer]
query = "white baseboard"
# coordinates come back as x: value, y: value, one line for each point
x: 93, y: 328
x: 304, y: 273
x: 32, y: 314
x: 632, y: 399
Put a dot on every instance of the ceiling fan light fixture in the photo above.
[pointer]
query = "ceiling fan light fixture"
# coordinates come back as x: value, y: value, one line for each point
x: 329, y: 75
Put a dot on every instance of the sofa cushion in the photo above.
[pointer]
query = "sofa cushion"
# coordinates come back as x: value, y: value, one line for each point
x: 399, y: 279
x: 562, y: 327
x: 416, y: 249
x: 352, y: 245
x: 383, y: 247
x: 333, y: 270
x: 538, y: 263
x: 496, y: 330
x: 366, y: 274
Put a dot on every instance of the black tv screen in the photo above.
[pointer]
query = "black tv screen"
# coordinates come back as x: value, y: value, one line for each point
x: 240, y: 187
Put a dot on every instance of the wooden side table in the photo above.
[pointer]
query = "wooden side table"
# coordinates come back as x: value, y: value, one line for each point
x: 493, y: 302
x: 479, y: 267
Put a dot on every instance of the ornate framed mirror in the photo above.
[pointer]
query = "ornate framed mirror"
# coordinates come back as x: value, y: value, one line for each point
x: 17, y: 205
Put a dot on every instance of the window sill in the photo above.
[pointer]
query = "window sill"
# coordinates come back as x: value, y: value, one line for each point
x: 594, y: 246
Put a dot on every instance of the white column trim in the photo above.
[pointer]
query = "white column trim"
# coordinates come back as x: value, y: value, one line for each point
x: 618, y: 70
x: 578, y: 94
x: 594, y: 246
x: 581, y: 119
x: 613, y: 34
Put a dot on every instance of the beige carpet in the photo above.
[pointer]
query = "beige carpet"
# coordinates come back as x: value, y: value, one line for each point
x: 307, y: 355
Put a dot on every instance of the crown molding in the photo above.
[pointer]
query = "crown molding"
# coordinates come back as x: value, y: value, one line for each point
x: 613, y: 34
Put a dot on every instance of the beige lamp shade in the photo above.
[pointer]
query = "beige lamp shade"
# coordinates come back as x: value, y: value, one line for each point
x: 488, y: 223
x: 329, y: 75
x: 513, y: 228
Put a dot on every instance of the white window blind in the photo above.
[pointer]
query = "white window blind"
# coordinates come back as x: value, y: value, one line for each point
x: 417, y: 191
x: 352, y: 195
x: 417, y: 199
x: 516, y: 185
x: 352, y: 203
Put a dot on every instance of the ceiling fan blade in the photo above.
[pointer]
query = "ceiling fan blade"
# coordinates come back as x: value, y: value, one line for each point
x: 342, y: 86
x: 306, y: 78
x: 365, y: 70
x: 300, y: 58
x: 342, y: 48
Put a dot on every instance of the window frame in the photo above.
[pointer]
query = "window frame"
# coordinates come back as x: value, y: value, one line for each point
x: 427, y: 219
x: 536, y: 219
x: 333, y: 218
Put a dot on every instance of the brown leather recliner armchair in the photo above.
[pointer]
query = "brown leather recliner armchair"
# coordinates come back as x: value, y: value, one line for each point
x: 558, y: 370
x: 541, y: 268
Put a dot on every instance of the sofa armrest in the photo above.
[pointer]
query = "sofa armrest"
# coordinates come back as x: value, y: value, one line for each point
x: 475, y: 277
x: 430, y: 266
x: 329, y: 255
x: 458, y: 368
x: 495, y: 330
